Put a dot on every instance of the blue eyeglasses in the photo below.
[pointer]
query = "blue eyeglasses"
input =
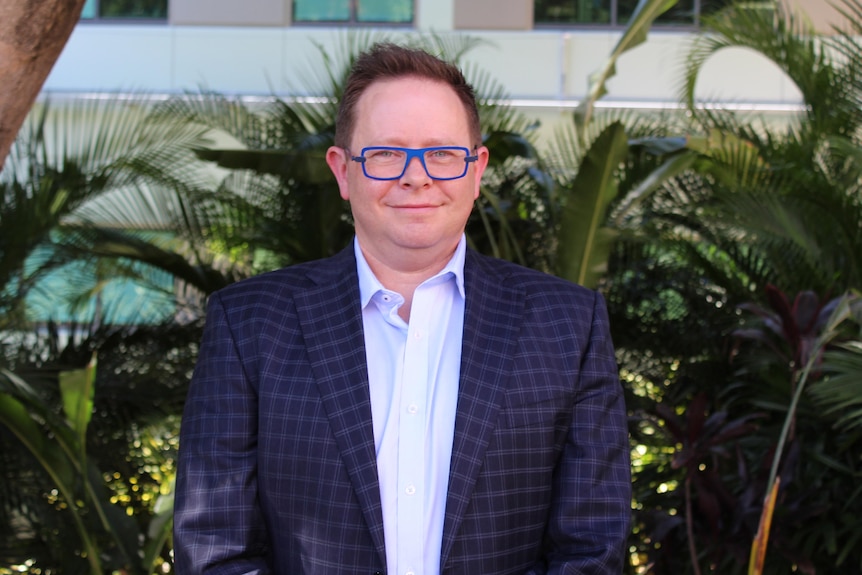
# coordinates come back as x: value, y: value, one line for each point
x: 390, y: 163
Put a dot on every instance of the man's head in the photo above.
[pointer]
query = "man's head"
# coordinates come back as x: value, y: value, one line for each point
x: 389, y: 61
x: 408, y: 157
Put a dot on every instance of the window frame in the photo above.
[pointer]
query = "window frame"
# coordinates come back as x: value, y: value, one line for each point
x: 615, y: 23
x: 137, y: 20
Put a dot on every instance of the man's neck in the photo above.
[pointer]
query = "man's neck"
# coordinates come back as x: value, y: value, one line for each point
x: 405, y: 274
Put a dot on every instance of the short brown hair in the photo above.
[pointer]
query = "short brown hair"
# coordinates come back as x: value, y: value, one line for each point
x: 386, y: 61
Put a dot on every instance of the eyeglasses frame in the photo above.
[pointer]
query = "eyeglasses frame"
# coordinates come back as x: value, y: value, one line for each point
x: 413, y: 153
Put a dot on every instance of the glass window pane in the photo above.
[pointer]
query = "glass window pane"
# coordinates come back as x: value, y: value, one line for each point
x: 89, y: 10
x: 133, y: 9
x: 710, y: 7
x: 321, y: 10
x: 625, y: 9
x: 572, y: 11
x: 398, y: 11
x: 122, y: 300
x: 682, y: 13
x: 713, y: 6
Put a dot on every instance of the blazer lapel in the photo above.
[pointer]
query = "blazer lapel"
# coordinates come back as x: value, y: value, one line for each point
x: 491, y: 319
x: 331, y: 320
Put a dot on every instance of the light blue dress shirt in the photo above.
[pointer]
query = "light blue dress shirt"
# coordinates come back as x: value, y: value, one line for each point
x: 413, y: 373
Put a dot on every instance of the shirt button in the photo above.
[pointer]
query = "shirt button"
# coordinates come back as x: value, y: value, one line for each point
x: 410, y: 573
x: 417, y: 334
x: 410, y: 490
x: 412, y: 409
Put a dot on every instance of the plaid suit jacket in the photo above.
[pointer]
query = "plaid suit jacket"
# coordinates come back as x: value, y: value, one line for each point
x: 277, y: 470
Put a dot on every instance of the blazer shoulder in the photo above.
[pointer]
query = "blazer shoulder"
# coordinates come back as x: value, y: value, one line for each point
x: 288, y: 281
x: 532, y: 282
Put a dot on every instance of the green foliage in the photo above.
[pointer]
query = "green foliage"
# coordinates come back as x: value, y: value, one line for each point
x: 806, y: 328
x: 66, y: 504
x: 60, y: 446
x: 839, y: 394
x: 584, y: 240
x: 734, y: 207
x: 635, y: 34
x: 80, y: 184
x: 681, y: 222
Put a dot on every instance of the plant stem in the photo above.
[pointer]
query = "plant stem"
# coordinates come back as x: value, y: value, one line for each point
x: 690, y: 528
x: 758, y: 546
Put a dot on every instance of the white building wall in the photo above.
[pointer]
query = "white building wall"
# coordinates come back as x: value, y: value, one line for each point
x: 535, y: 65
x: 545, y: 72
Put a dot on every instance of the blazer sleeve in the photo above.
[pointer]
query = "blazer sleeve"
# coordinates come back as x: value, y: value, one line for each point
x: 591, y: 500
x: 218, y: 528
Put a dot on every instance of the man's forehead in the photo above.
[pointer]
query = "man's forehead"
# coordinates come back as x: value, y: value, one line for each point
x: 388, y: 92
x: 405, y: 83
x: 410, y: 111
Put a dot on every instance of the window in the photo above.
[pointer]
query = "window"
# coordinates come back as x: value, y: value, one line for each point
x: 354, y: 11
x: 109, y: 299
x: 618, y: 12
x: 125, y: 10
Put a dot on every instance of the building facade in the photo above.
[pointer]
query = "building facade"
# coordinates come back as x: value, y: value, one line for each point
x: 543, y: 52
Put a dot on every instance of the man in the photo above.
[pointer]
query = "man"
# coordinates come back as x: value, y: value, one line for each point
x: 407, y: 406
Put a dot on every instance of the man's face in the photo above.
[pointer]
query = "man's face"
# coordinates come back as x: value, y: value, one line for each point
x: 413, y: 214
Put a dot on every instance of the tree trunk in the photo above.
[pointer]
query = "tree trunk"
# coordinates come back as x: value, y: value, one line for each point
x: 32, y: 35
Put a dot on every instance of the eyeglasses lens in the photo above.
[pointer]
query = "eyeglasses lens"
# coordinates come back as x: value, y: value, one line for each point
x: 440, y: 163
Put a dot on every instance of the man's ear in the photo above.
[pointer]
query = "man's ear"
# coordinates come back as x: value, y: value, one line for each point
x: 337, y: 160
x: 479, y: 167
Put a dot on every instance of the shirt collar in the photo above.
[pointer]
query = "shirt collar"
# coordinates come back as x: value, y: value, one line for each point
x: 370, y: 285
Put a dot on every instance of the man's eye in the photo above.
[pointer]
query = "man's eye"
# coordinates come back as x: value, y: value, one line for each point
x: 442, y: 156
x: 383, y: 155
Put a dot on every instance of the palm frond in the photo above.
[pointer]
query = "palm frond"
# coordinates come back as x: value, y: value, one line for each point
x: 99, y: 158
x: 839, y: 394
x: 828, y: 82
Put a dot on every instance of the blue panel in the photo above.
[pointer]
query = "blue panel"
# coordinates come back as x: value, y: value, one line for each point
x: 321, y: 10
x: 394, y: 11
x: 76, y: 292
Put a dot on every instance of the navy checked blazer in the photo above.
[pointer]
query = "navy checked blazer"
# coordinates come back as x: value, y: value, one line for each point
x: 277, y: 471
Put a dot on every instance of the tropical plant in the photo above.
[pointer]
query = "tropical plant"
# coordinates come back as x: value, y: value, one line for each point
x: 839, y: 394
x: 588, y: 162
x: 91, y: 183
x: 733, y: 207
x: 797, y: 200
x: 798, y: 334
x: 60, y: 448
x: 95, y: 179
x: 88, y: 453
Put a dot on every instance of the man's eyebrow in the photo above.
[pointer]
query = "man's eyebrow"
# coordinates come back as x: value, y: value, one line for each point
x: 432, y: 143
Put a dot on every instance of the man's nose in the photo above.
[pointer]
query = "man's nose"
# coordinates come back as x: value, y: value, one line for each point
x: 415, y: 171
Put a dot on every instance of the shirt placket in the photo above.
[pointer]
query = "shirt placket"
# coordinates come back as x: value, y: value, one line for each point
x: 411, y: 447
